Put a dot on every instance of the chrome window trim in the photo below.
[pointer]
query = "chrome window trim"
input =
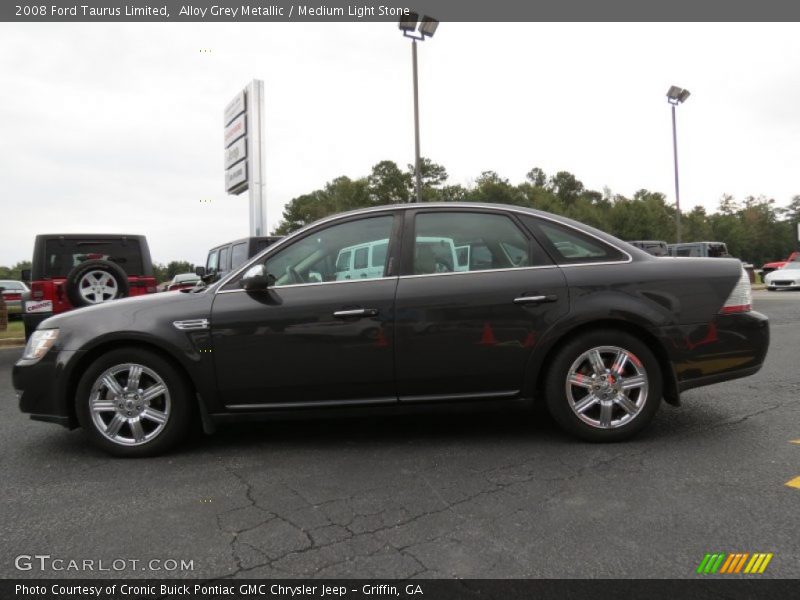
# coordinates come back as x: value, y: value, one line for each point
x: 481, y: 271
x: 455, y: 206
x: 303, y: 285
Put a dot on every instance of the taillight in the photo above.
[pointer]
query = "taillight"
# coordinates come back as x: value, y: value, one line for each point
x: 37, y: 290
x: 740, y: 299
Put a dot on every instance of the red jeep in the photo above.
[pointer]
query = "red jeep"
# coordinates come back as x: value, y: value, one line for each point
x: 75, y: 270
x: 774, y: 266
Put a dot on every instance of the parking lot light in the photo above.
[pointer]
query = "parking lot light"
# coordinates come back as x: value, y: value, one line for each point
x: 427, y: 27
x: 675, y: 96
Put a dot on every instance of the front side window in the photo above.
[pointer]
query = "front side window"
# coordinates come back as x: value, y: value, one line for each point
x: 450, y: 242
x: 211, y: 263
x: 325, y: 255
x: 570, y: 246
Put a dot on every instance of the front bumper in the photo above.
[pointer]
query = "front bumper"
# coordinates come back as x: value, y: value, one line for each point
x: 42, y: 387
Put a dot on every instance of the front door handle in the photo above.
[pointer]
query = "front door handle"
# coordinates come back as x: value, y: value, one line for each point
x: 356, y: 312
x: 535, y: 299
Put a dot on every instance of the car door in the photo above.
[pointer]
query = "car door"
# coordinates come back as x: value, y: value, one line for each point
x: 304, y: 341
x: 464, y: 333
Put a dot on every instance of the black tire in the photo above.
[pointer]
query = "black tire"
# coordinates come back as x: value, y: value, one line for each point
x: 560, y: 405
x: 769, y: 289
x: 178, y: 410
x: 77, y: 274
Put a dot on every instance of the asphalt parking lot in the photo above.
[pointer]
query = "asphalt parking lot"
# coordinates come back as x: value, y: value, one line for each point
x: 486, y: 494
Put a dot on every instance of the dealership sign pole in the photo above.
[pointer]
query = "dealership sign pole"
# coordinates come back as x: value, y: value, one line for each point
x: 244, y: 152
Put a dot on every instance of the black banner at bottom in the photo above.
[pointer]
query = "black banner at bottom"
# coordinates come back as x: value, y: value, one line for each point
x: 423, y: 589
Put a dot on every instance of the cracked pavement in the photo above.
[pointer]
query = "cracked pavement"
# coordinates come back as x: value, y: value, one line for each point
x: 484, y: 493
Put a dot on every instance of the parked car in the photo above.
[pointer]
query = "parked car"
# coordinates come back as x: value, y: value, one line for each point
x: 77, y: 270
x: 183, y: 281
x: 699, y: 249
x: 773, y: 266
x: 786, y: 278
x: 654, y: 247
x: 224, y: 258
x: 601, y: 338
x: 12, y: 294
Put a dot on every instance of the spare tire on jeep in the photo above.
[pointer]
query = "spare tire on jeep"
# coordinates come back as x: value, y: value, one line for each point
x: 96, y: 281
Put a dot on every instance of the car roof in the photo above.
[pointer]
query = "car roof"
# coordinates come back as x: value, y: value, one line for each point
x: 90, y: 236
x: 258, y: 238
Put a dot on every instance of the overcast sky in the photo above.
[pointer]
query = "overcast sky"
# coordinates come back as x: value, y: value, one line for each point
x: 118, y: 128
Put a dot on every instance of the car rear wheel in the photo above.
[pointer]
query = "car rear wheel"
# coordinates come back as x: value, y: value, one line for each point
x: 132, y: 402
x: 604, y: 386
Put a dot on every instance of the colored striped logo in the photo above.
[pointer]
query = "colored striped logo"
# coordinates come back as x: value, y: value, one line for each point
x: 737, y: 562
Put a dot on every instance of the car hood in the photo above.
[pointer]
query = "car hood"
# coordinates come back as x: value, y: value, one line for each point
x: 140, y: 314
x: 783, y: 273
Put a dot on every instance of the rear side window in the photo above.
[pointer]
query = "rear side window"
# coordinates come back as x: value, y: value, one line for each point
x: 223, y: 259
x: 379, y: 254
x: 448, y: 242
x: 360, y: 258
x: 570, y: 246
x: 61, y: 256
x: 238, y: 255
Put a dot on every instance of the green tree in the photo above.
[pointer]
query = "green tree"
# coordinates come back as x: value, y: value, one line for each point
x: 15, y: 272
x: 388, y: 184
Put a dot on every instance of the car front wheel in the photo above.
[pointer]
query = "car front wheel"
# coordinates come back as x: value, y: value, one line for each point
x: 604, y: 386
x: 132, y: 402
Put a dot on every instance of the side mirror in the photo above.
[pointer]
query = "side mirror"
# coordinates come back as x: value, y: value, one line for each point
x: 26, y: 275
x: 255, y: 279
x: 200, y: 271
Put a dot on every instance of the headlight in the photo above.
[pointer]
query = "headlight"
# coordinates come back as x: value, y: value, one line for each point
x: 39, y: 343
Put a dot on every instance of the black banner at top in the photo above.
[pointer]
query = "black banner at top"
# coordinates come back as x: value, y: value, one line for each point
x: 391, y: 10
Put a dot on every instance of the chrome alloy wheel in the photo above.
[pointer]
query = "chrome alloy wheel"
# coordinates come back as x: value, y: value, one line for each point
x: 98, y: 286
x: 129, y: 404
x: 607, y: 387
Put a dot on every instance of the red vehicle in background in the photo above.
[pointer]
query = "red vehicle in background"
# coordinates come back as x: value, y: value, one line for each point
x: 71, y: 271
x: 774, y: 266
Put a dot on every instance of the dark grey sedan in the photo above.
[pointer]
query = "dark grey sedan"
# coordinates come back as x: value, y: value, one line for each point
x: 399, y: 306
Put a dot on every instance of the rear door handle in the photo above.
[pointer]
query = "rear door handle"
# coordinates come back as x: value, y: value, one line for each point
x: 535, y: 299
x: 356, y: 312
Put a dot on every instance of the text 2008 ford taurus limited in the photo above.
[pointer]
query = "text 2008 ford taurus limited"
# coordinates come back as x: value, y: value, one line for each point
x: 403, y: 305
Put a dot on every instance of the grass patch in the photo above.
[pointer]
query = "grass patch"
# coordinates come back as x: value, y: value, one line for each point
x: 15, y: 330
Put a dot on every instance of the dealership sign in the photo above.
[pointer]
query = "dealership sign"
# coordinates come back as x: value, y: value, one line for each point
x: 243, y: 141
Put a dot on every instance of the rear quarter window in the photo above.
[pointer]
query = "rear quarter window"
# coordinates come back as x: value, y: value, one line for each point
x: 570, y: 246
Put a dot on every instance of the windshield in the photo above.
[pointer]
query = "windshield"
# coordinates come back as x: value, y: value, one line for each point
x: 790, y: 265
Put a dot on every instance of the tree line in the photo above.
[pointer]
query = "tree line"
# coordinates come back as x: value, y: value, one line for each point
x: 755, y: 229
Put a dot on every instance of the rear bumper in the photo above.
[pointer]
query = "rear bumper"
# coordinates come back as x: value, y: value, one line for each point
x: 730, y: 347
x: 41, y: 388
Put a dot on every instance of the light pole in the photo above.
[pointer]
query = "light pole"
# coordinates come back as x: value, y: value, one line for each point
x: 427, y: 27
x: 675, y: 96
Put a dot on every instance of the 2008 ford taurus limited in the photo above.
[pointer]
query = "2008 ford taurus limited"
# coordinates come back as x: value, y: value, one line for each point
x: 403, y: 305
